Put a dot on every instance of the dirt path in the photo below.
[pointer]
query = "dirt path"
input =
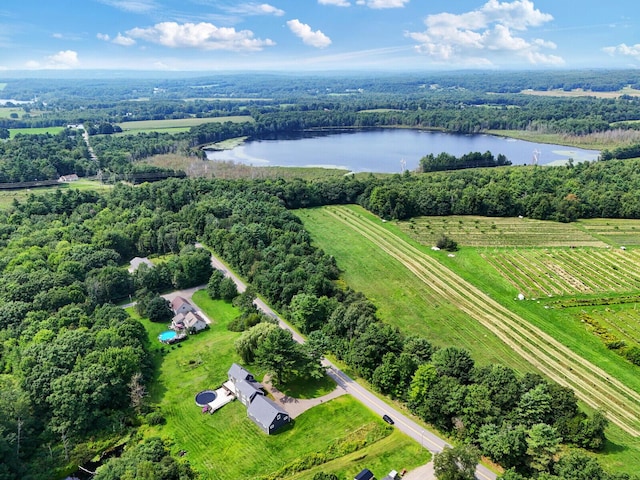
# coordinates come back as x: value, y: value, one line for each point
x: 296, y: 406
x: 590, y: 383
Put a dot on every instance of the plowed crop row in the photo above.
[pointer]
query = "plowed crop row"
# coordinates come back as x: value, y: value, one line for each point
x: 591, y: 384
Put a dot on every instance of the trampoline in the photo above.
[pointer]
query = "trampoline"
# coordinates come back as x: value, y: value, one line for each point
x: 205, y: 397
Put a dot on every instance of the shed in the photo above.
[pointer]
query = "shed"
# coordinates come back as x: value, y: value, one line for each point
x: 268, y: 415
x: 365, y: 474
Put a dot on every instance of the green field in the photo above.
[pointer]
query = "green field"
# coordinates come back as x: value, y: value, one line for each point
x: 5, y: 112
x: 34, y: 131
x: 227, y: 445
x: 176, y: 125
x: 7, y: 196
x: 553, y: 340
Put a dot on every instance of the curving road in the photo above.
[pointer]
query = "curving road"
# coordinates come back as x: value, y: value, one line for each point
x: 426, y: 438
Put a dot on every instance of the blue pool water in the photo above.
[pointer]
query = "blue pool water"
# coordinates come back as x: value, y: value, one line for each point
x: 167, y: 335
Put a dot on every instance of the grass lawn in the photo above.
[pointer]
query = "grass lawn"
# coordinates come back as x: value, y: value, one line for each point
x: 227, y: 445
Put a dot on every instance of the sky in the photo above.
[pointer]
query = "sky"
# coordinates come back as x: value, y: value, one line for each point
x: 318, y: 35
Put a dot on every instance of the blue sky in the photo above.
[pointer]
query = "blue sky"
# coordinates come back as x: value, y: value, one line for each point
x: 318, y: 35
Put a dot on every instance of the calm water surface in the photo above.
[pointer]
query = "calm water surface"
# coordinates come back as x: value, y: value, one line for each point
x: 387, y: 150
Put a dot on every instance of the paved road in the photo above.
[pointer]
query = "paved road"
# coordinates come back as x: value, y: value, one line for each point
x: 426, y: 438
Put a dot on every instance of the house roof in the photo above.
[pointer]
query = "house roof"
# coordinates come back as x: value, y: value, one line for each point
x: 178, y: 302
x: 191, y: 319
x: 237, y: 372
x: 365, y: 474
x: 247, y: 389
x: 135, y: 262
x: 264, y: 411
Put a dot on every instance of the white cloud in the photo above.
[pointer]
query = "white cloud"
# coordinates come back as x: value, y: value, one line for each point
x: 118, y: 40
x: 255, y: 9
x: 57, y: 35
x: 62, y: 59
x: 480, y: 35
x: 379, y: 4
x: 624, y: 49
x: 135, y: 6
x: 123, y: 41
x: 205, y: 36
x: 308, y: 36
x: 337, y: 3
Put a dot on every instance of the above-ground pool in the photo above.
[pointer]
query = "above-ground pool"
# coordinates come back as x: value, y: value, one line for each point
x: 167, y: 336
x: 205, y: 397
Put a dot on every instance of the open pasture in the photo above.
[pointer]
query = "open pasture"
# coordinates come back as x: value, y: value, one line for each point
x: 472, y: 231
x: 579, y: 271
x: 34, y: 131
x: 178, y: 124
x: 591, y: 384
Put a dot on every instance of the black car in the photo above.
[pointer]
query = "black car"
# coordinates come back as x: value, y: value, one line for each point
x: 388, y: 419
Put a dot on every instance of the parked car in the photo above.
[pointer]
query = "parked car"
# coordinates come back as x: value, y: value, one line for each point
x: 388, y: 419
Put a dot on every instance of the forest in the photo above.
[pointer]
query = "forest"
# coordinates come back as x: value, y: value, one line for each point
x: 64, y: 255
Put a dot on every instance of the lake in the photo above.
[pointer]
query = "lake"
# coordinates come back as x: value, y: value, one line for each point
x: 388, y: 150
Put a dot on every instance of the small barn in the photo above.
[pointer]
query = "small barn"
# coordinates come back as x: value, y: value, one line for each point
x: 268, y: 415
x: 365, y: 474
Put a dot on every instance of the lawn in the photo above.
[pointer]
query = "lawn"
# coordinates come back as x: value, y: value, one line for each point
x: 227, y: 445
x: 5, y: 112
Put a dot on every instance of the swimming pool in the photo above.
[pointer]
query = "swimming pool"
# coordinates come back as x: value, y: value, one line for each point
x: 205, y: 397
x: 167, y: 336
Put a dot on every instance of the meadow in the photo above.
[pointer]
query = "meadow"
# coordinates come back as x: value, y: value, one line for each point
x: 449, y: 310
x: 34, y: 131
x: 8, y: 196
x: 176, y: 125
x: 227, y: 445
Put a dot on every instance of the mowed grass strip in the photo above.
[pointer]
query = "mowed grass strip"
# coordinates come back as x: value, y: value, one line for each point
x: 591, y: 384
x: 401, y: 300
x: 227, y: 445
